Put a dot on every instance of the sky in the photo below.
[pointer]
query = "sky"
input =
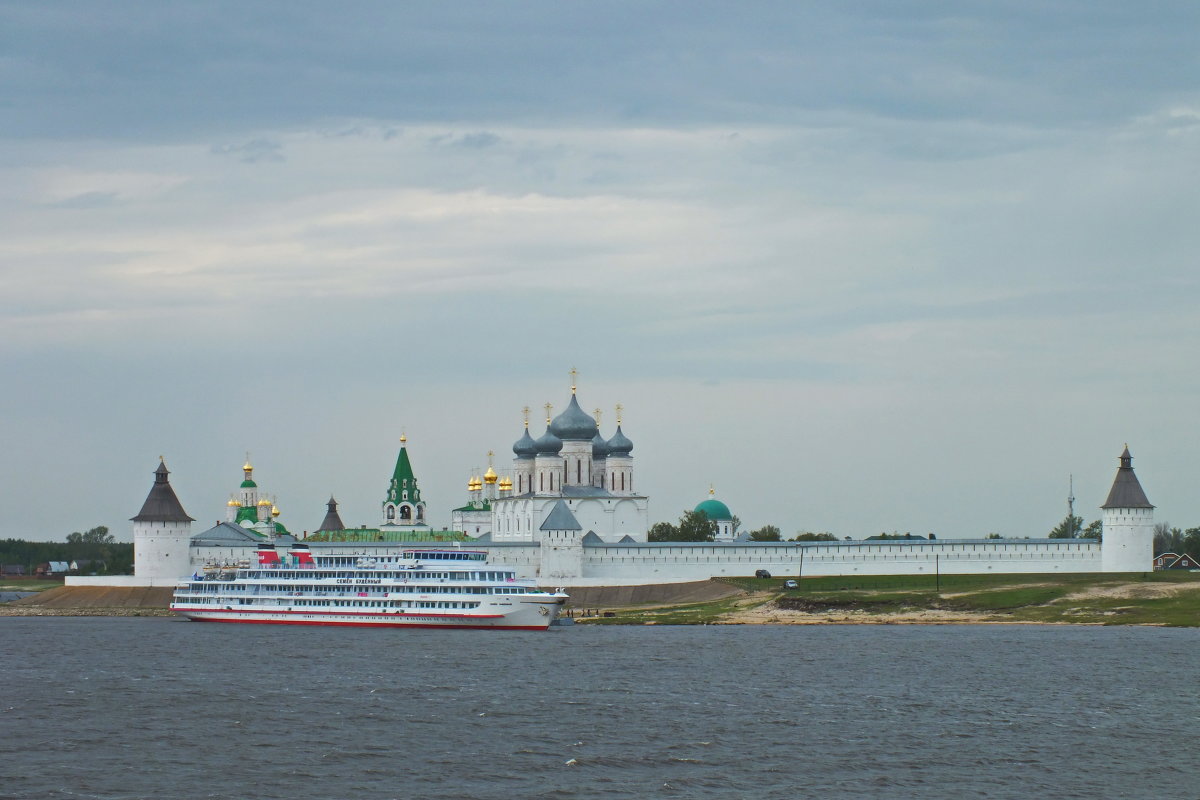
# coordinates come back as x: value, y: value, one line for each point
x: 860, y: 267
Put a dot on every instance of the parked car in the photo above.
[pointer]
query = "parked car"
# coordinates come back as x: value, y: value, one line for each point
x: 791, y: 585
x: 761, y: 573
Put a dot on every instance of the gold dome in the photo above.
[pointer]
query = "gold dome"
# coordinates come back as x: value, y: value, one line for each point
x: 490, y: 476
x: 274, y: 511
x: 264, y: 502
x: 247, y: 466
x: 233, y: 503
x: 505, y: 484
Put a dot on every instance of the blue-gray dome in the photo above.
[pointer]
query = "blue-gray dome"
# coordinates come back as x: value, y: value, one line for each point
x: 574, y: 424
x: 548, y: 444
x: 525, y: 447
x: 599, y: 447
x: 619, y: 445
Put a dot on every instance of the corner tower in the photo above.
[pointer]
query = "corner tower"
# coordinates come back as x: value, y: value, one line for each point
x: 162, y: 532
x: 1128, y: 543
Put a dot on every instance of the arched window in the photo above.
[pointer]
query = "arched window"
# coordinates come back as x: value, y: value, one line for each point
x: 391, y: 513
x: 405, y: 512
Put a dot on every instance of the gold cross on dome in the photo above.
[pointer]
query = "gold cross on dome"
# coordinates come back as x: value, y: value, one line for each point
x: 574, y: 373
x: 597, y: 413
x: 548, y: 407
x: 525, y: 413
x: 620, y: 408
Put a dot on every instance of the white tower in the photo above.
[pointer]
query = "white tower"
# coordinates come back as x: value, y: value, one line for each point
x: 1128, y: 543
x: 618, y: 463
x: 162, y: 532
x: 548, y: 464
x: 524, y: 451
x: 561, y: 539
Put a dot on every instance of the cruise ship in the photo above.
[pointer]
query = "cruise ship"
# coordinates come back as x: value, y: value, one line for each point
x: 419, y: 588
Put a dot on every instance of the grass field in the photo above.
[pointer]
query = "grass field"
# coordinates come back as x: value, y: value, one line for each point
x: 1163, y: 598
x: 28, y: 585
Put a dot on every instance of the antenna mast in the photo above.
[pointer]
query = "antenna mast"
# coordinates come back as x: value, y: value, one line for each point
x: 1071, y: 501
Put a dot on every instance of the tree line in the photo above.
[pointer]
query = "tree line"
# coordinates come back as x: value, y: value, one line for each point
x: 1168, y: 539
x: 695, y: 526
x: 104, y: 554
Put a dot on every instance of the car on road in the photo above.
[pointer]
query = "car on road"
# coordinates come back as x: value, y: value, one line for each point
x: 791, y: 585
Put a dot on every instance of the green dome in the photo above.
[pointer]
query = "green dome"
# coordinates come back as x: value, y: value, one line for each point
x: 249, y: 484
x: 715, y: 510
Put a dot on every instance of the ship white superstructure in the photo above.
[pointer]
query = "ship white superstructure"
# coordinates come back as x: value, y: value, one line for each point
x: 417, y: 588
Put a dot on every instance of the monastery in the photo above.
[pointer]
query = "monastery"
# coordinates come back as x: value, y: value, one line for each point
x: 569, y: 514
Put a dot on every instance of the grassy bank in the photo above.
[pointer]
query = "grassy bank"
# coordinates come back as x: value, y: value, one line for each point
x: 1171, y: 599
x: 28, y: 585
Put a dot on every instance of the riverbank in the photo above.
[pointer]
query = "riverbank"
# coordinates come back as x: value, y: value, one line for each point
x: 1163, y: 599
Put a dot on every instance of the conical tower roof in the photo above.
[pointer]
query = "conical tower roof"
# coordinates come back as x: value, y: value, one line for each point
x: 403, y: 478
x: 560, y: 518
x: 161, y: 504
x: 1126, y: 491
x: 332, y: 521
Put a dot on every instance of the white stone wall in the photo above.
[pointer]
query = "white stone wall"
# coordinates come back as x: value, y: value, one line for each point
x: 548, y: 474
x: 577, y: 463
x: 561, y: 556
x: 648, y: 564
x: 626, y: 565
x: 1128, y: 540
x: 522, y: 475
x: 160, y: 550
x: 520, y: 519
x: 619, y: 474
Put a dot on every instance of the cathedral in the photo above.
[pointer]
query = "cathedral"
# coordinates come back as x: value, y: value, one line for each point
x: 571, y: 462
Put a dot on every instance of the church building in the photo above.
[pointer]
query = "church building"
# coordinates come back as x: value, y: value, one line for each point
x: 573, y: 464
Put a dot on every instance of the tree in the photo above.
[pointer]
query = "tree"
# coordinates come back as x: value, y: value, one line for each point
x: 97, y: 535
x: 1069, y: 528
x: 1168, y: 539
x: 663, y: 532
x: 993, y: 536
x: 1191, y: 541
x: 767, y: 533
x: 694, y: 526
x: 806, y: 536
x: 1094, y: 530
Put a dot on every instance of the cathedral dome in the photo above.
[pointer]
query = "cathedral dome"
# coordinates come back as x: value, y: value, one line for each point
x: 574, y: 424
x: 548, y: 443
x: 599, y: 447
x: 525, y: 447
x: 715, y: 510
x: 619, y: 444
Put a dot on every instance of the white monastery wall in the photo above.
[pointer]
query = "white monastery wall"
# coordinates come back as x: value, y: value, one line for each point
x: 669, y: 563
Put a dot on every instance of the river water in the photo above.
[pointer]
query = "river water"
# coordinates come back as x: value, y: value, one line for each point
x: 159, y: 708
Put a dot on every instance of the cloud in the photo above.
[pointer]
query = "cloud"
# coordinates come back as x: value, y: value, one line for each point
x: 252, y: 152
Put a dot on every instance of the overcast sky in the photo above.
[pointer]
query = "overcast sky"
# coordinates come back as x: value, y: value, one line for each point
x: 861, y: 266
